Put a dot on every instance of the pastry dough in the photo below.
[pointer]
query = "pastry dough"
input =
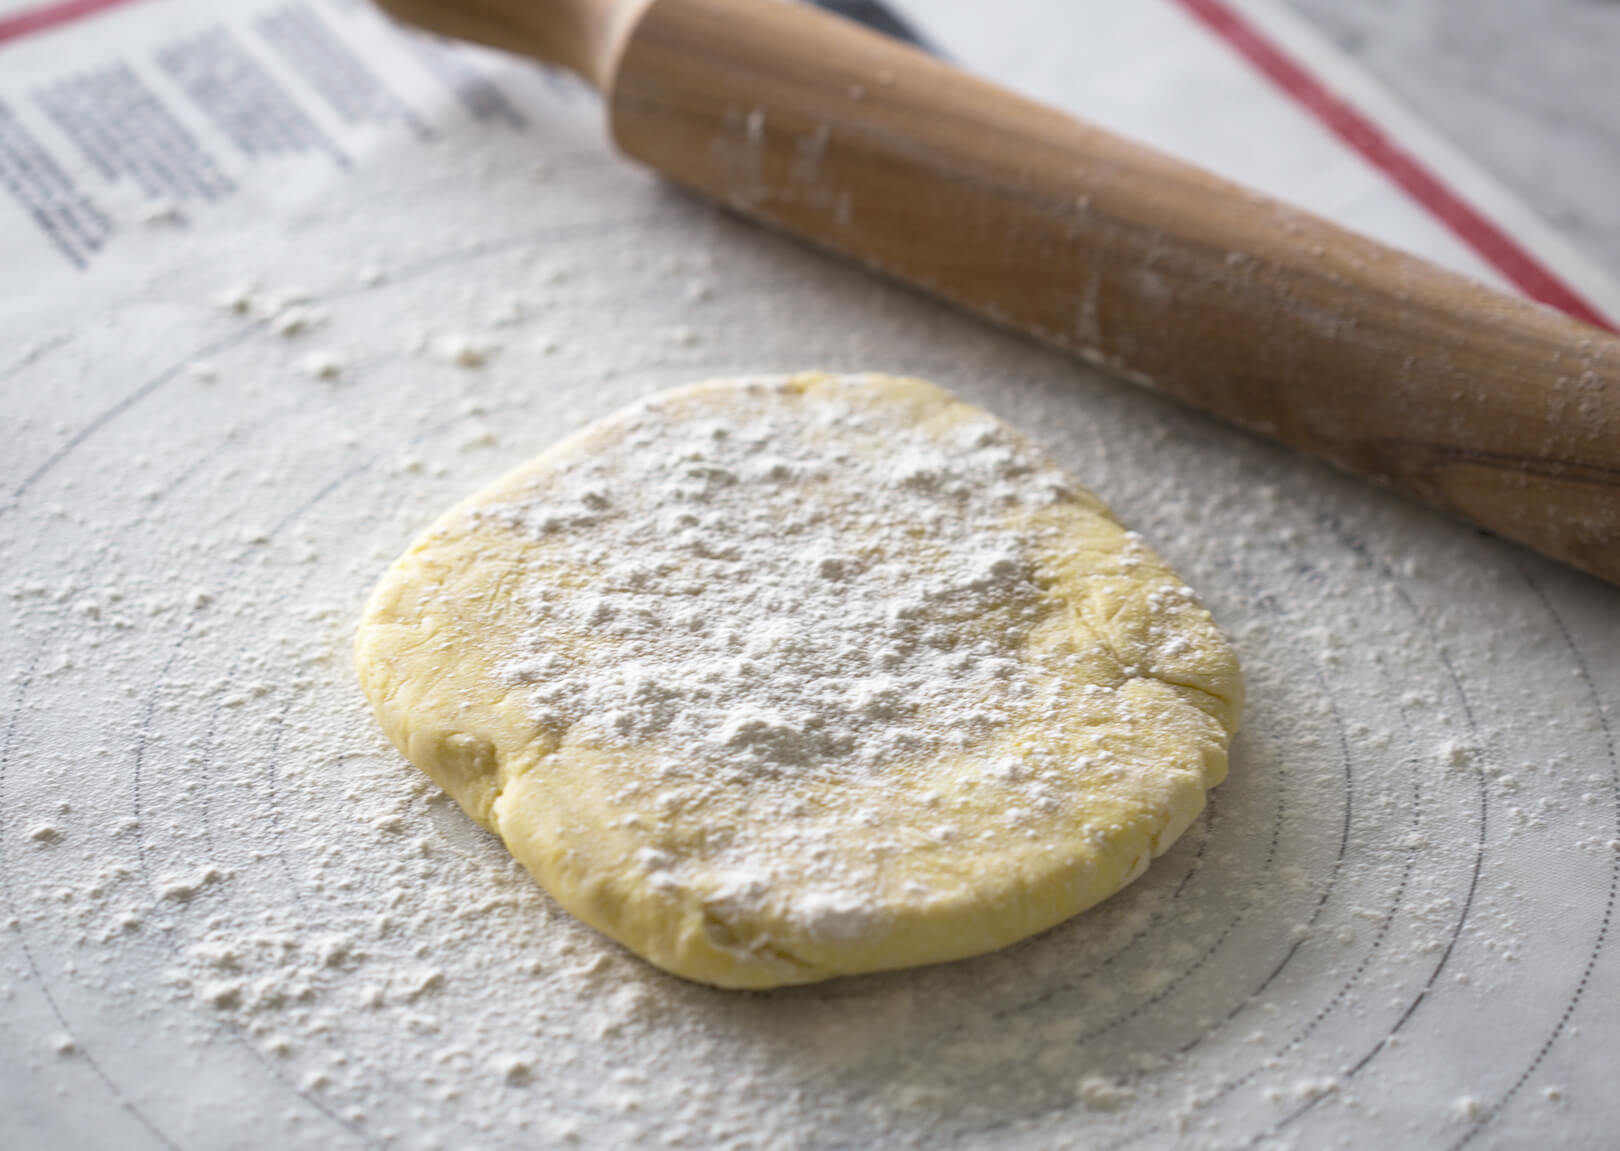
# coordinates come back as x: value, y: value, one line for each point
x: 780, y: 679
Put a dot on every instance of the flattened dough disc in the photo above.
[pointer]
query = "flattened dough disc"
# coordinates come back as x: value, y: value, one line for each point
x: 774, y: 680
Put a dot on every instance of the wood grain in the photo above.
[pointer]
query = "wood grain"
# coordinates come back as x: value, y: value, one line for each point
x: 1473, y: 401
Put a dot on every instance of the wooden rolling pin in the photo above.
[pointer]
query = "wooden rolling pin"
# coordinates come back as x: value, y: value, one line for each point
x: 1478, y: 403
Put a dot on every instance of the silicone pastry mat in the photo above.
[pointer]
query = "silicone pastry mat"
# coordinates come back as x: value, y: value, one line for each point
x: 281, y: 283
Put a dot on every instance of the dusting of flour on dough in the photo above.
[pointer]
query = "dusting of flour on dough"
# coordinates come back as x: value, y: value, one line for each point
x: 785, y: 590
x: 759, y: 618
x: 751, y: 612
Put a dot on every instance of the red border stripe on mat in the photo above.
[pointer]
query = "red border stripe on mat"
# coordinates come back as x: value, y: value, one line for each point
x: 1498, y: 249
x: 32, y: 20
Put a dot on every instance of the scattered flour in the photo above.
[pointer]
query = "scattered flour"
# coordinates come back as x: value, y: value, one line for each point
x: 1103, y: 1094
x: 327, y: 366
x: 465, y: 351
x: 255, y: 919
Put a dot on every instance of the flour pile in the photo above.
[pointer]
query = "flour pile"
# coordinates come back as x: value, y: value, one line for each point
x: 756, y: 612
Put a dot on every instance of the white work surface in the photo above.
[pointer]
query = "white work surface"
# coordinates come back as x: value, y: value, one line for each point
x: 330, y: 279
